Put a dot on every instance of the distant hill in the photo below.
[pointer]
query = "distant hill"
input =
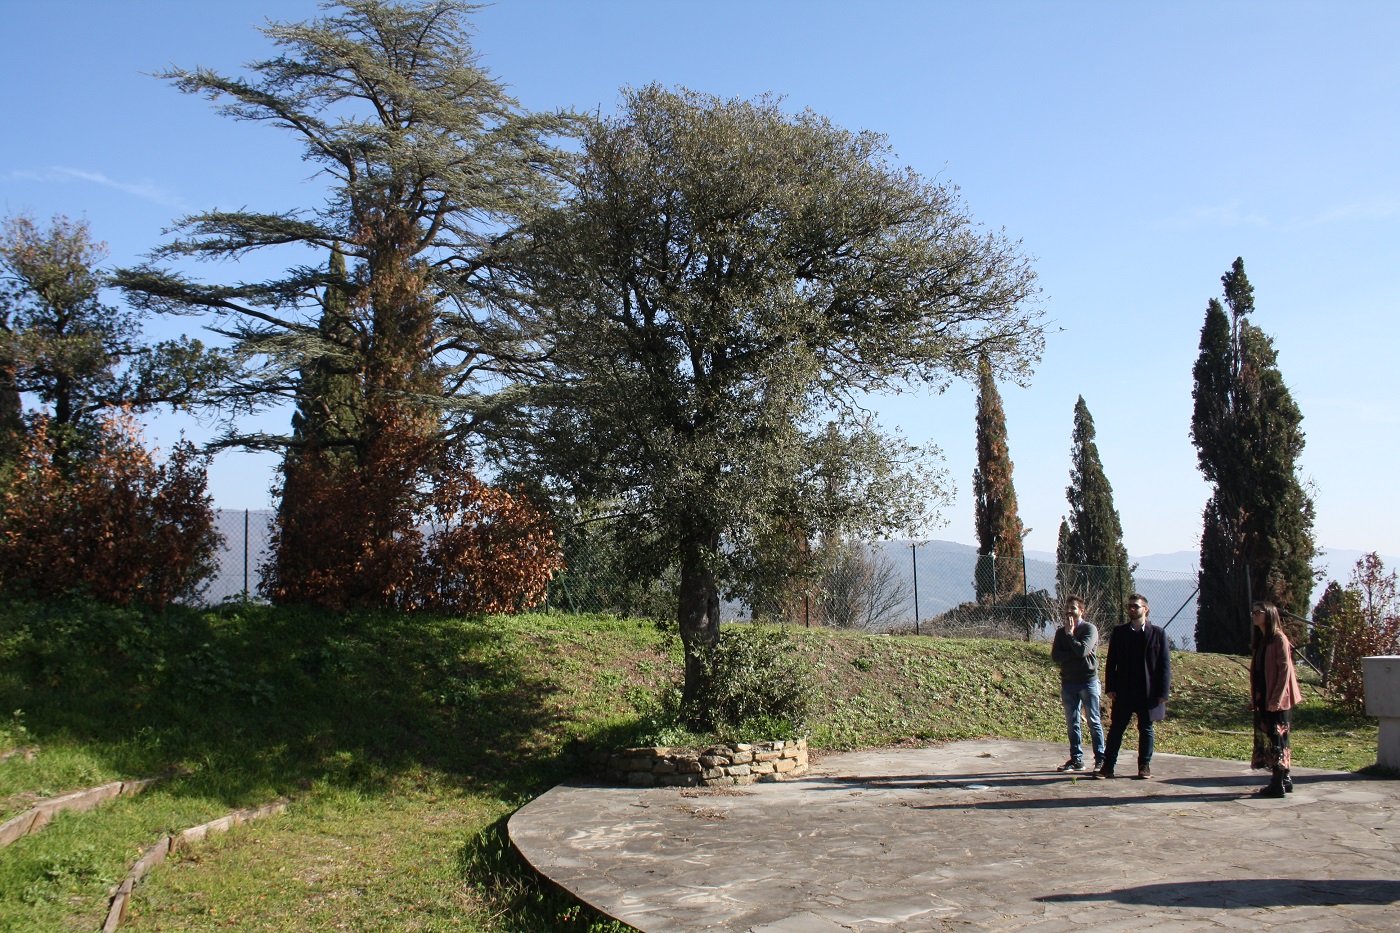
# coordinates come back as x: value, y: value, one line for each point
x: 1178, y: 561
x: 946, y: 569
x: 1338, y: 563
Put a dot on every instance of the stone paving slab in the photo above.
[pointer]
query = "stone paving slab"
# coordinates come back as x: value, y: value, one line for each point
x: 979, y: 835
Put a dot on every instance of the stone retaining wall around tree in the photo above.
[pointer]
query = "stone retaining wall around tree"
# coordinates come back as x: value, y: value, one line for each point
x: 715, y: 766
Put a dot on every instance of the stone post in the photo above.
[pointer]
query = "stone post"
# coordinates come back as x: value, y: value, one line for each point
x: 1382, y: 675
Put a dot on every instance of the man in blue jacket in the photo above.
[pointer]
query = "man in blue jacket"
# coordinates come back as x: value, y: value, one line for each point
x: 1137, y: 677
x: 1075, y: 650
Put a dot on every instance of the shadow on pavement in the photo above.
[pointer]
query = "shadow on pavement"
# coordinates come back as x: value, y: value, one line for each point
x: 1051, y: 803
x: 1260, y: 893
x: 1261, y: 776
x: 916, y: 781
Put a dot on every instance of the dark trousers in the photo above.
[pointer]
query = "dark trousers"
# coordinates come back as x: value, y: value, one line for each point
x: 1122, y: 714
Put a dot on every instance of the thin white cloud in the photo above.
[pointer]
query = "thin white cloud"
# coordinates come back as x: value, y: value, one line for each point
x: 1232, y: 213
x: 145, y: 190
x: 1346, y: 213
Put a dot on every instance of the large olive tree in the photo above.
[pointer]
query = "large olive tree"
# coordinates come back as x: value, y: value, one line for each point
x: 722, y: 288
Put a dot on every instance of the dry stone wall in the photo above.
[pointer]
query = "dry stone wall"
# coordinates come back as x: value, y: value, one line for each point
x: 715, y: 766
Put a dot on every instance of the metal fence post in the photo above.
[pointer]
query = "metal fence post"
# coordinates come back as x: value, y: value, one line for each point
x: 996, y: 587
x: 1122, y: 601
x: 914, y: 555
x: 245, y: 555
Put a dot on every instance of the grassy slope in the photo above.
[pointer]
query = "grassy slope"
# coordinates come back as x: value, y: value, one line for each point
x: 404, y: 744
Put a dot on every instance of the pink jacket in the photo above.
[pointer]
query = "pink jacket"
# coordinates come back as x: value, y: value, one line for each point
x: 1280, y: 680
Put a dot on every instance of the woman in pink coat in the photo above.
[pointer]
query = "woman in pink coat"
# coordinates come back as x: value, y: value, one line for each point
x: 1273, y: 694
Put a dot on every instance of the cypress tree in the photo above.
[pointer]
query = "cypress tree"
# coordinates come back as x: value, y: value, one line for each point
x: 1328, y: 620
x: 1000, y: 567
x: 1091, y: 538
x: 329, y: 398
x: 327, y: 422
x: 1256, y: 540
x: 1067, y: 575
x: 1063, y: 553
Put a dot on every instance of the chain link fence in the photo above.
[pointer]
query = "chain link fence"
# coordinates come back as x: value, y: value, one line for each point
x: 932, y: 588
x: 906, y: 587
x: 247, y: 537
x: 953, y: 591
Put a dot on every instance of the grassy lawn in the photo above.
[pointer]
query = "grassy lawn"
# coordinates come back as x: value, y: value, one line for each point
x: 403, y: 744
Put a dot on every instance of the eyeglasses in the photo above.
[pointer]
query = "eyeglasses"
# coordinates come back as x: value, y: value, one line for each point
x: 1136, y: 606
x: 1257, y: 612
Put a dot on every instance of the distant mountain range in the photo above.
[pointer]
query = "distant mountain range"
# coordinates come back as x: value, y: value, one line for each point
x: 1337, y: 561
x: 946, y: 570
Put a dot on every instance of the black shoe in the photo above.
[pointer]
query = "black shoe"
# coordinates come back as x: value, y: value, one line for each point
x: 1144, y: 773
x: 1104, y: 775
x: 1074, y: 764
x: 1288, y: 785
x: 1273, y: 791
x: 1098, y: 764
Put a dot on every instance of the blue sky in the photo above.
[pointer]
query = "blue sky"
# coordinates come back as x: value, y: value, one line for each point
x: 1135, y: 149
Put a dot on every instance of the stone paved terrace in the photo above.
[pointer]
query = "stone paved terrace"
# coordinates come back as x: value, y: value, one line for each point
x: 979, y: 835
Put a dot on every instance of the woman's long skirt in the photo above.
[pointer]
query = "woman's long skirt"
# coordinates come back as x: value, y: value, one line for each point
x: 1271, y: 748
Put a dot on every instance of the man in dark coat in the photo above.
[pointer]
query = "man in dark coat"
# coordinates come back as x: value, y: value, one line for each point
x: 1136, y: 681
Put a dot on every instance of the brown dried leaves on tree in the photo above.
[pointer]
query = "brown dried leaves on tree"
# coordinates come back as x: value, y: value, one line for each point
x: 412, y: 528
x: 113, y: 524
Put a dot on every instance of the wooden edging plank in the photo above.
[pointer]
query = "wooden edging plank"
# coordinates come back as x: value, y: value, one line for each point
x: 40, y: 815
x: 153, y: 856
x: 16, y: 827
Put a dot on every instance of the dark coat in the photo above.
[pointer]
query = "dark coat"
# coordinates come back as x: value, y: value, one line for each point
x: 1141, y: 684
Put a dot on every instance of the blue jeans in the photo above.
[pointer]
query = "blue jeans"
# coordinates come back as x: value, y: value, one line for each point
x: 1087, y: 695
